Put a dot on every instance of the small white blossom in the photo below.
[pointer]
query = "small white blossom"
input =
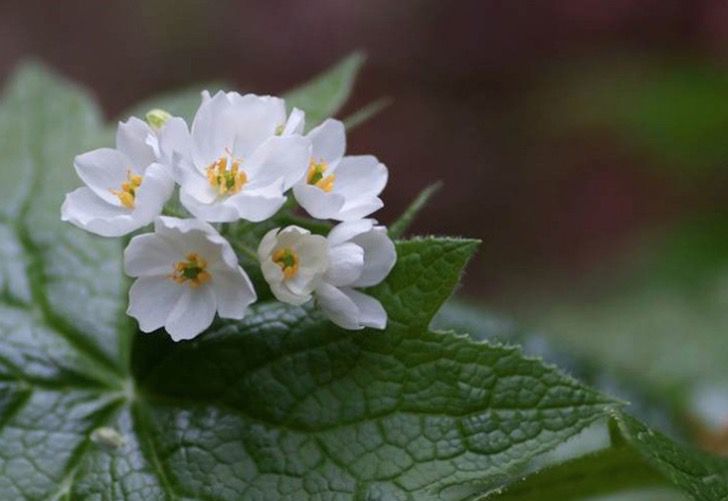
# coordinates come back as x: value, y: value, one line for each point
x: 339, y: 187
x: 126, y: 187
x: 298, y: 266
x: 360, y: 254
x: 241, y: 155
x: 185, y: 271
x: 293, y: 261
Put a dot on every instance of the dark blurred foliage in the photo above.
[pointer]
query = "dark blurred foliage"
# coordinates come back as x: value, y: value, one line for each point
x: 523, y: 109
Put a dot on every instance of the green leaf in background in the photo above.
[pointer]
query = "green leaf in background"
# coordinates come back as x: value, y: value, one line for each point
x: 182, y: 102
x: 323, y: 96
x: 320, y: 98
x: 281, y: 405
x: 638, y: 463
x: 658, y: 315
x: 675, y: 112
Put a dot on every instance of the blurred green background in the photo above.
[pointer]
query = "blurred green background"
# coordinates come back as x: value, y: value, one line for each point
x: 584, y: 141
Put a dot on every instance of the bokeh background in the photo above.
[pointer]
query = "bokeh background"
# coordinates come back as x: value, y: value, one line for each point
x: 585, y: 141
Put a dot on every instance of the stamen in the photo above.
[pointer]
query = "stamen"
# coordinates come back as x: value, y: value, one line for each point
x: 193, y: 271
x: 316, y: 177
x: 288, y: 261
x: 127, y: 193
x: 226, y: 181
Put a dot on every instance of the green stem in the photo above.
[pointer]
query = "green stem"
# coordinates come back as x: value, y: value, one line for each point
x: 245, y: 250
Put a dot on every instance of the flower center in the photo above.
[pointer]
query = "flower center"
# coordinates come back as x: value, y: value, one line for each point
x: 127, y: 193
x: 288, y: 261
x: 226, y: 180
x: 192, y: 270
x: 316, y: 175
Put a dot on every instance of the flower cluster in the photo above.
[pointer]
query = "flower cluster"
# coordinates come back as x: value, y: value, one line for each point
x: 237, y: 161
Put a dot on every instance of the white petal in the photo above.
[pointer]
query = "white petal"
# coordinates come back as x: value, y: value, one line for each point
x: 257, y: 205
x: 193, y: 313
x: 317, y: 202
x: 103, y: 170
x: 338, y: 307
x: 150, y: 255
x: 274, y: 276
x: 228, y: 120
x: 192, y: 235
x: 83, y: 208
x: 175, y: 138
x: 295, y: 124
x: 359, y: 208
x: 268, y: 244
x: 151, y: 299
x: 256, y: 118
x: 234, y: 292
x: 371, y: 312
x: 360, y: 176
x: 343, y: 232
x: 278, y: 157
x: 192, y: 183
x: 329, y: 141
x: 379, y: 256
x: 311, y: 250
x: 157, y: 187
x: 312, y: 263
x: 346, y: 262
x: 172, y: 225
x: 211, y: 131
x: 131, y: 140
x: 213, y: 212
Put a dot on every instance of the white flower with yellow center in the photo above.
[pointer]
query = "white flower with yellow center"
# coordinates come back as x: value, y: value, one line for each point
x: 298, y: 266
x: 126, y: 187
x: 339, y: 187
x: 185, y: 272
x: 360, y: 254
x: 293, y: 261
x: 242, y: 155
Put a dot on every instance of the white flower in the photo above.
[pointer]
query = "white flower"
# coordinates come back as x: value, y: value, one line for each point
x: 339, y: 187
x: 360, y: 254
x: 126, y: 187
x: 242, y: 155
x: 293, y: 261
x: 185, y: 273
x: 298, y: 265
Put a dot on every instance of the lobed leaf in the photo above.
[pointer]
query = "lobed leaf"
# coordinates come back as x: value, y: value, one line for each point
x: 282, y: 405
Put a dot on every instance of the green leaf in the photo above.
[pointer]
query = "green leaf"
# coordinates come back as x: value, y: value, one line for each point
x: 366, y: 113
x: 403, y: 413
x: 637, y: 460
x: 323, y: 96
x: 674, y: 112
x: 280, y: 404
x: 659, y: 315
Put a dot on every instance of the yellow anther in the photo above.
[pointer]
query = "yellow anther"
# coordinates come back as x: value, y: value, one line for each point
x: 316, y: 175
x: 127, y: 193
x: 279, y: 129
x: 288, y: 261
x: 192, y: 271
x: 226, y: 181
